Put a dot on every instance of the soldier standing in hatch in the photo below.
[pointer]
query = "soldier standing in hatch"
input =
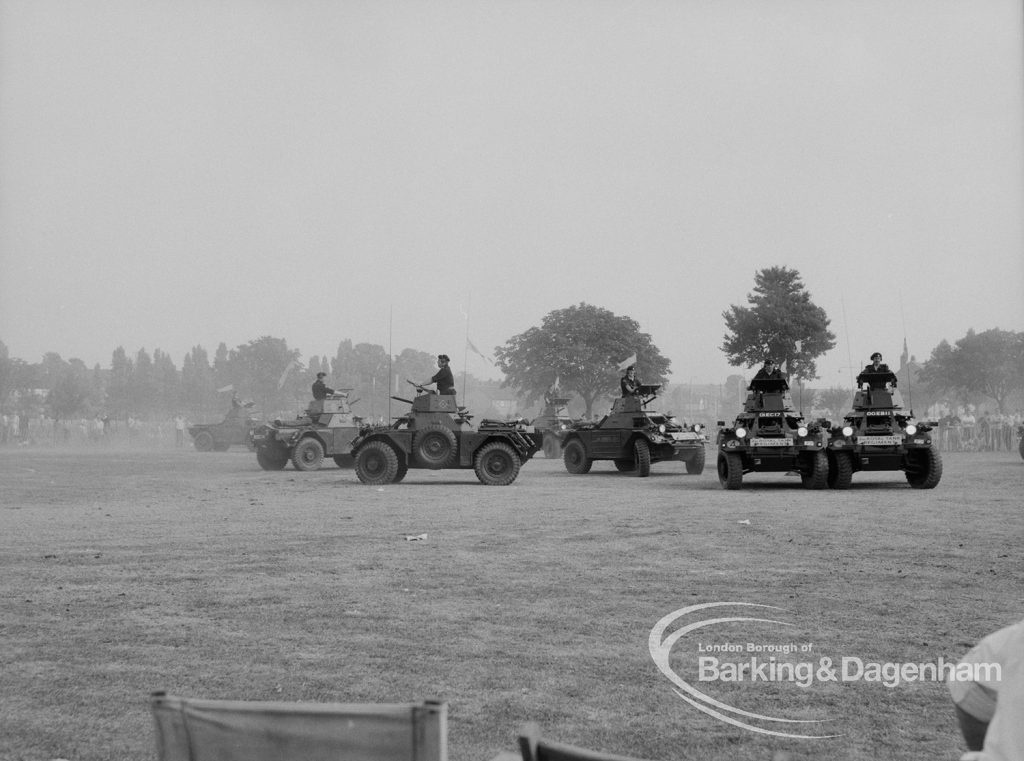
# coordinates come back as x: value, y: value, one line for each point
x: 876, y: 370
x: 768, y: 372
x: 320, y: 389
x: 443, y: 377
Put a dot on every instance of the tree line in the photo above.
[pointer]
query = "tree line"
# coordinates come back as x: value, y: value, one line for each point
x: 579, y: 350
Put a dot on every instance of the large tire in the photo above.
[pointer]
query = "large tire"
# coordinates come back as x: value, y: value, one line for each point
x: 377, y: 463
x: 436, y: 447
x: 496, y: 464
x: 552, y: 447
x: 1020, y: 447
x: 815, y: 475
x: 308, y: 454
x: 924, y: 471
x: 271, y: 458
x: 574, y: 455
x: 625, y: 466
x: 203, y: 441
x: 695, y: 465
x: 642, y: 457
x: 840, y: 470
x: 730, y: 470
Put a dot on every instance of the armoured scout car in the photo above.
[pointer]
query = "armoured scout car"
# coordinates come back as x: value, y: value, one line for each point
x: 437, y: 434
x: 553, y: 422
x: 878, y: 434
x: 325, y: 429
x: 770, y: 436
x: 235, y: 428
x: 633, y: 438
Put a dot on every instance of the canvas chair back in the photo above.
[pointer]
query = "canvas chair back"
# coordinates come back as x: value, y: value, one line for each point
x: 534, y: 748
x: 235, y: 730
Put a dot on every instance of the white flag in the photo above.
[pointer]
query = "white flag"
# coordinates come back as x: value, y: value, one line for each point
x: 229, y: 387
x: 631, y: 360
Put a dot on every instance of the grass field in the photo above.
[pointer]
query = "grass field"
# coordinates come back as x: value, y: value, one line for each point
x: 202, y: 575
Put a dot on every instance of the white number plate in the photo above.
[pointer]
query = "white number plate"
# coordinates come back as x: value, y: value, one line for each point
x: 771, y: 442
x: 683, y: 436
x: 879, y: 441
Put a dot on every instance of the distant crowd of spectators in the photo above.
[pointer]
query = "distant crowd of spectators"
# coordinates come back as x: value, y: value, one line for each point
x: 26, y: 430
x: 988, y: 432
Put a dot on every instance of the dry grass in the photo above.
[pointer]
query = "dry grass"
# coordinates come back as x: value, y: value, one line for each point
x: 123, y: 573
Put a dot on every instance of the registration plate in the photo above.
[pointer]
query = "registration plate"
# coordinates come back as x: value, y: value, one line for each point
x: 879, y: 441
x: 771, y: 442
x: 677, y: 436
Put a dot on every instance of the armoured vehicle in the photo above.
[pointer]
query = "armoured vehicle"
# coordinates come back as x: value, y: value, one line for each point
x: 436, y: 434
x: 327, y: 428
x: 770, y: 436
x: 878, y: 434
x: 553, y: 422
x: 634, y: 437
x: 235, y: 428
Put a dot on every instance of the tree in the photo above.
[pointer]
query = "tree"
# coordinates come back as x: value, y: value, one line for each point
x: 262, y: 363
x: 781, y: 322
x: 69, y: 393
x: 989, y: 363
x: 836, y: 400
x: 580, y: 347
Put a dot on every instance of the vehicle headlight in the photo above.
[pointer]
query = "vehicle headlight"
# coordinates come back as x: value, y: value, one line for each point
x: 911, y: 429
x: 697, y: 428
x: 563, y: 426
x: 847, y: 430
x: 741, y: 432
x: 802, y: 430
x: 661, y: 428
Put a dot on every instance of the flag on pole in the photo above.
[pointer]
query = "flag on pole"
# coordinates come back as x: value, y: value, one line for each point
x: 287, y: 369
x: 229, y: 387
x: 476, y: 351
x: 630, y: 360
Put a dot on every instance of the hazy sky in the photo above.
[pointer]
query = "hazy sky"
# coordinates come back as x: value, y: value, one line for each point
x: 182, y: 172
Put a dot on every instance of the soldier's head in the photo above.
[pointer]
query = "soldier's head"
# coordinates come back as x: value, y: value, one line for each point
x: 876, y: 358
x: 442, y: 360
x: 319, y: 376
x: 631, y: 371
x: 769, y: 363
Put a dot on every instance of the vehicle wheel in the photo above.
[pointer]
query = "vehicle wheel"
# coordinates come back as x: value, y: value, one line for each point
x: 271, y: 458
x: 343, y: 460
x: 377, y: 463
x: 203, y: 441
x: 840, y: 470
x: 730, y: 470
x: 625, y: 466
x: 815, y: 473
x: 642, y: 457
x: 496, y: 464
x: 1020, y: 447
x: 403, y: 468
x: 695, y: 466
x: 308, y: 454
x: 574, y: 455
x: 924, y: 471
x: 436, y: 446
x: 552, y: 447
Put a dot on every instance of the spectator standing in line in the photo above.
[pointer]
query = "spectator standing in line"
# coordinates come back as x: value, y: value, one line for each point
x: 179, y: 430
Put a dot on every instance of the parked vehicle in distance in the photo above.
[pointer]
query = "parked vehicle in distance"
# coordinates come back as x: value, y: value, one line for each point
x: 554, y: 422
x: 234, y: 429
